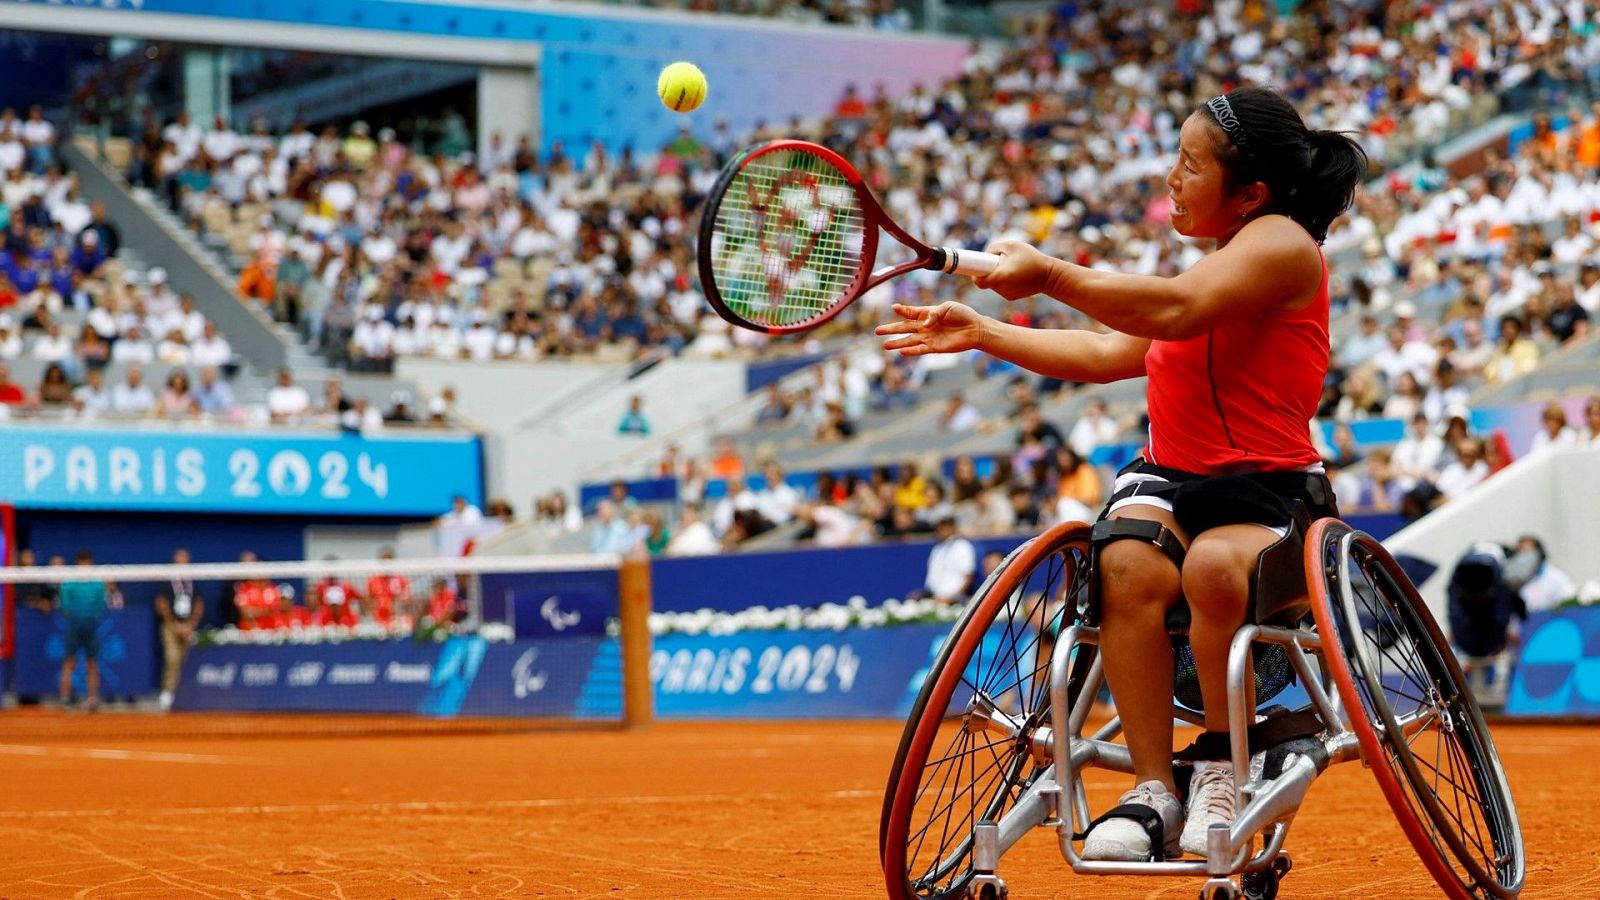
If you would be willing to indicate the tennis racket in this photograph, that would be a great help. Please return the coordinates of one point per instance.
(789, 238)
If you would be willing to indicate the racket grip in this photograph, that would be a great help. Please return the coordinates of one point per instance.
(970, 263)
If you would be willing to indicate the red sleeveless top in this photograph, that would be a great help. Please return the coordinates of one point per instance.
(1240, 398)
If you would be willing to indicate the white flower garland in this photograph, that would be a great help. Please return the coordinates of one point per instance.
(855, 613)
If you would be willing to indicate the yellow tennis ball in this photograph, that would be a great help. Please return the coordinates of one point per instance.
(682, 87)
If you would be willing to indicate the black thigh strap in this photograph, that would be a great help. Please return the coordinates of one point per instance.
(1107, 531)
(1148, 819)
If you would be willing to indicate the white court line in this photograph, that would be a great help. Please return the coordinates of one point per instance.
(420, 805)
(93, 753)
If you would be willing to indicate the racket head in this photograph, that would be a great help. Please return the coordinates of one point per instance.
(788, 237)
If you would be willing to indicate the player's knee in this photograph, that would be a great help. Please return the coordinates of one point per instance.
(1216, 577)
(1135, 579)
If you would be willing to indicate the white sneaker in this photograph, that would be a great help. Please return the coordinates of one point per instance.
(1211, 801)
(1125, 840)
(166, 699)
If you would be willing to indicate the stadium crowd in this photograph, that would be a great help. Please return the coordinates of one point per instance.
(1063, 137)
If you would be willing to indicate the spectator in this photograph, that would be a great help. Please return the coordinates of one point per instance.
(633, 420)
(1591, 421)
(1445, 392)
(389, 595)
(610, 533)
(84, 604)
(462, 512)
(727, 461)
(1419, 455)
(54, 387)
(778, 501)
(213, 397)
(836, 426)
(1036, 429)
(133, 348)
(11, 393)
(176, 400)
(1514, 355)
(1360, 348)
(774, 409)
(1566, 320)
(1555, 432)
(10, 338)
(211, 349)
(1381, 490)
(959, 416)
(179, 610)
(694, 537)
(1406, 400)
(1465, 471)
(738, 512)
(951, 564)
(287, 402)
(361, 418)
(133, 397)
(1345, 451)
(831, 526)
(1540, 584)
(1095, 429)
(1079, 490)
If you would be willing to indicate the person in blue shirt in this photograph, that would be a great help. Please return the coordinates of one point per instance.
(83, 604)
(634, 421)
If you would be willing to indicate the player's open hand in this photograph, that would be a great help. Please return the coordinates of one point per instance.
(949, 327)
(1023, 271)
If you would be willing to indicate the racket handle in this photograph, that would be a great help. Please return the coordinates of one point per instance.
(970, 263)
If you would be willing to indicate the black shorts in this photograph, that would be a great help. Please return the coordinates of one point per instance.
(1270, 499)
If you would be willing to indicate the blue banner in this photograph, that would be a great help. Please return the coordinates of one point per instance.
(855, 673)
(1558, 672)
(462, 676)
(237, 472)
(806, 577)
(128, 663)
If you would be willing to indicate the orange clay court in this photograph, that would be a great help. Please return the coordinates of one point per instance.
(101, 807)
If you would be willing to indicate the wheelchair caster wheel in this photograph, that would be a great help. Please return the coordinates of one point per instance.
(1220, 889)
(990, 892)
(1264, 885)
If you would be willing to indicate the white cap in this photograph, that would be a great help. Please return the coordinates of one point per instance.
(158, 275)
(1405, 309)
(130, 277)
(1457, 411)
(5, 322)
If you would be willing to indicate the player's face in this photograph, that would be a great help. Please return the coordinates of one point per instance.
(1203, 206)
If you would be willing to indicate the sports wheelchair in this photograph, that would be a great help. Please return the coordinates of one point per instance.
(995, 741)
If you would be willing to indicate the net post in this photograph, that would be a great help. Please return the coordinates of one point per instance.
(633, 602)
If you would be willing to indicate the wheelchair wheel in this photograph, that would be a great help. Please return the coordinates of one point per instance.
(950, 774)
(1419, 726)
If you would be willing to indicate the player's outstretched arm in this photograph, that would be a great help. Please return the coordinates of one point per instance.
(1271, 262)
(1069, 355)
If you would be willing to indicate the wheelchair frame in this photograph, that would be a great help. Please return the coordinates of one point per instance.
(1234, 868)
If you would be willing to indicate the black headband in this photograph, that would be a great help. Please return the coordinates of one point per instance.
(1222, 111)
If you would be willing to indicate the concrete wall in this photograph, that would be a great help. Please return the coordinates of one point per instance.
(551, 424)
(1553, 496)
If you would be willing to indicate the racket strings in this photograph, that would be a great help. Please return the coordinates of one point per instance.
(787, 240)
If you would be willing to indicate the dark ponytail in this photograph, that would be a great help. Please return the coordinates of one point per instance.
(1311, 175)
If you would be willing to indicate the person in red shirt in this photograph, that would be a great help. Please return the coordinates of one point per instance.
(1236, 359)
(444, 604)
(258, 603)
(11, 394)
(337, 602)
(389, 596)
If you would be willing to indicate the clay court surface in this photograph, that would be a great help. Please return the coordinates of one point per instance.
(139, 806)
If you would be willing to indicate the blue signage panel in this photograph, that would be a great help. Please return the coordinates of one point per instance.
(461, 676)
(855, 673)
(247, 471)
(1558, 672)
(128, 661)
